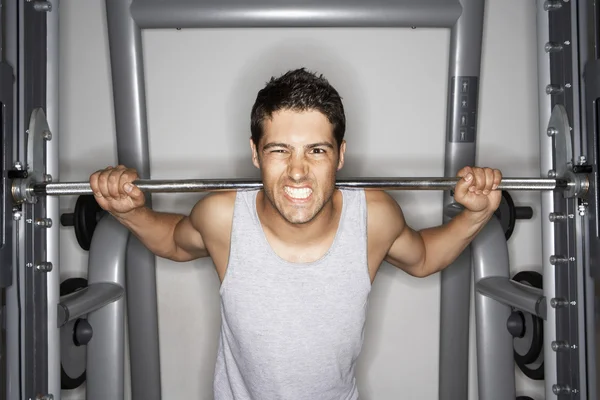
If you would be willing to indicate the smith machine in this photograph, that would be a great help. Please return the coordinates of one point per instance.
(57, 335)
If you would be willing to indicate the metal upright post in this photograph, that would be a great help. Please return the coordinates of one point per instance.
(52, 205)
(495, 361)
(105, 352)
(125, 43)
(462, 118)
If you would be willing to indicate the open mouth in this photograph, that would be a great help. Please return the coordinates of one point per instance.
(298, 193)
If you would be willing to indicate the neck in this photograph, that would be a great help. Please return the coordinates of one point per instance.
(312, 231)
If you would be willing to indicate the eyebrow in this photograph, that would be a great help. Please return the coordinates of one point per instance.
(289, 147)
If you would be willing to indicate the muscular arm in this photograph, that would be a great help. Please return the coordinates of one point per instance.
(419, 253)
(182, 238)
(170, 236)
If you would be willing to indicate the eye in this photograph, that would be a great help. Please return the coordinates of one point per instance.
(318, 150)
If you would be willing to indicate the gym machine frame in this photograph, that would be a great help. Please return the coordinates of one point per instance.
(34, 311)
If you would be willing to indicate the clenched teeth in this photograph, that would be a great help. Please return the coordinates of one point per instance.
(298, 193)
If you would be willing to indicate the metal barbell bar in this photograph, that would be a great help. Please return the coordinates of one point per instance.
(24, 190)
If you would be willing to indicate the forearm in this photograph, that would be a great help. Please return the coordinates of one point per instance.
(154, 229)
(443, 244)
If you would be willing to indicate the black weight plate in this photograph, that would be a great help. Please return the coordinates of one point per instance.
(529, 359)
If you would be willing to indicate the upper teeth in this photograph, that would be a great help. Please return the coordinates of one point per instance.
(301, 193)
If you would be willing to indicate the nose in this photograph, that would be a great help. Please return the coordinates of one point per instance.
(297, 167)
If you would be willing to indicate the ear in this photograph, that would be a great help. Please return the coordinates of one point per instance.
(341, 158)
(254, 154)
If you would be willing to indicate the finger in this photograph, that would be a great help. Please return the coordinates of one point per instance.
(136, 195)
(94, 184)
(462, 187)
(464, 171)
(497, 179)
(125, 182)
(103, 183)
(489, 181)
(113, 183)
(478, 181)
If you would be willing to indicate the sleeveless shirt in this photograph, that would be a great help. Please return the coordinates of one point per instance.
(292, 331)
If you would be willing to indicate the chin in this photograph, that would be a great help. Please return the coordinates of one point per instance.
(298, 220)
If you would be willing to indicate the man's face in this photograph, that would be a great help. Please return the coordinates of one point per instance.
(298, 159)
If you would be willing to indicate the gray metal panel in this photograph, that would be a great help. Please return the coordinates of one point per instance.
(547, 198)
(294, 13)
(12, 317)
(35, 310)
(106, 351)
(52, 205)
(455, 295)
(571, 372)
(589, 27)
(7, 260)
(129, 96)
(6, 158)
(592, 91)
(495, 362)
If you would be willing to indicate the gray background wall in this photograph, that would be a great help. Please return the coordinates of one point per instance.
(200, 87)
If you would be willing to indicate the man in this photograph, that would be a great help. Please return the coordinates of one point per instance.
(297, 259)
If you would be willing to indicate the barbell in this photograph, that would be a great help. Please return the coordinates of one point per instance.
(33, 183)
(24, 190)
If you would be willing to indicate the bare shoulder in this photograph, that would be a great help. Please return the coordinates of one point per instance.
(214, 212)
(385, 216)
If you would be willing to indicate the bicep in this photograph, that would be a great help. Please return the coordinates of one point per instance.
(189, 241)
(407, 252)
(392, 239)
(207, 231)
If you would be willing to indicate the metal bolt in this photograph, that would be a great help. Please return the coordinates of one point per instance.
(554, 89)
(582, 209)
(582, 160)
(555, 217)
(558, 260)
(568, 85)
(44, 266)
(47, 135)
(552, 131)
(561, 389)
(29, 265)
(552, 174)
(44, 222)
(558, 303)
(558, 345)
(552, 47)
(551, 5)
(47, 178)
(42, 6)
(18, 166)
(17, 215)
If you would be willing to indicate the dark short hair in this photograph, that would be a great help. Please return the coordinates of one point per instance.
(298, 90)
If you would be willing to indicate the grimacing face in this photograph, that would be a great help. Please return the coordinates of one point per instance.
(298, 158)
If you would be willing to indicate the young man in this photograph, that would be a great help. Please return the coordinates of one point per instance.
(296, 260)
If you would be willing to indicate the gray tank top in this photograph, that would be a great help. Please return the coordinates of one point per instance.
(292, 331)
